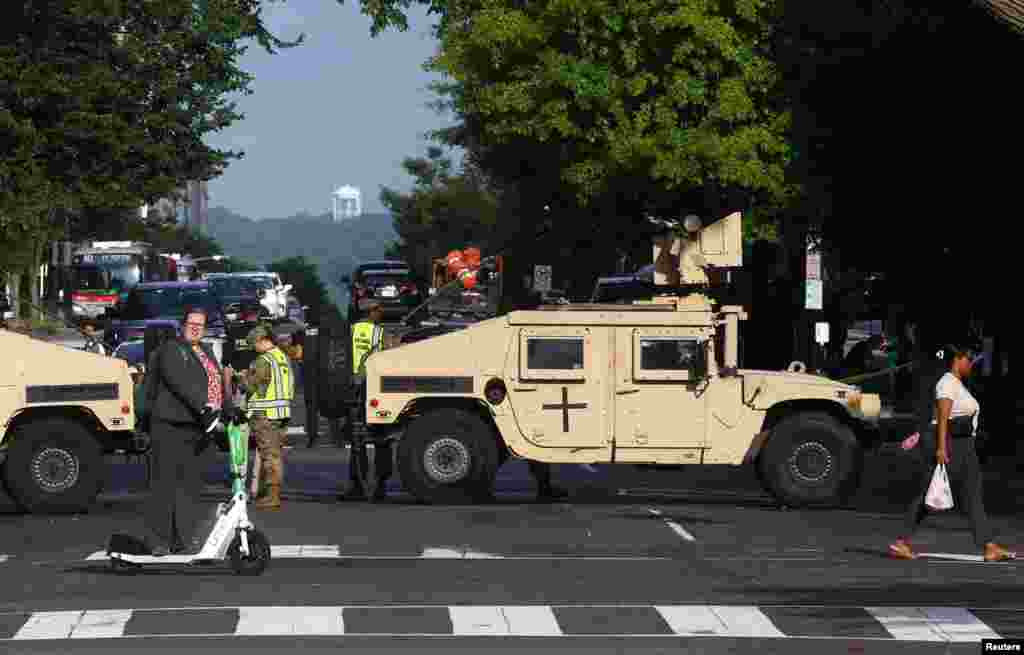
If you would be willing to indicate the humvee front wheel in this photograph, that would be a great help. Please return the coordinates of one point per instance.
(448, 457)
(811, 460)
(54, 465)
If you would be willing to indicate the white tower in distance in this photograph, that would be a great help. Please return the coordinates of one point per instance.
(347, 203)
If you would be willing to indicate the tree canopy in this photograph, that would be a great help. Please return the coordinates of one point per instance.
(107, 104)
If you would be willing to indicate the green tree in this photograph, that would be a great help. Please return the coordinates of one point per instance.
(306, 283)
(108, 104)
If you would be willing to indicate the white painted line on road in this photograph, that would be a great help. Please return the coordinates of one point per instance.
(102, 624)
(267, 621)
(531, 621)
(428, 552)
(441, 553)
(954, 556)
(745, 621)
(692, 620)
(4, 558)
(958, 624)
(49, 625)
(906, 623)
(675, 527)
(477, 620)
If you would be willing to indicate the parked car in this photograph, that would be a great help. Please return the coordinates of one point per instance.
(389, 282)
(273, 293)
(162, 303)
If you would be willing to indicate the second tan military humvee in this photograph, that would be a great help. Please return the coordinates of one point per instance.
(653, 383)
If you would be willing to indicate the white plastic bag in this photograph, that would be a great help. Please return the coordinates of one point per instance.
(939, 496)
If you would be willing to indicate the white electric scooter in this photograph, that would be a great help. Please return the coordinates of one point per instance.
(233, 536)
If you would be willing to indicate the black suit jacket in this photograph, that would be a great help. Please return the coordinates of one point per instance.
(181, 383)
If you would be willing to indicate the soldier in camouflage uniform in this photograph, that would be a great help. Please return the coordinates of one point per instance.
(270, 388)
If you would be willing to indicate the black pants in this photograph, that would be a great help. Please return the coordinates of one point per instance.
(382, 461)
(382, 467)
(174, 510)
(964, 478)
(541, 472)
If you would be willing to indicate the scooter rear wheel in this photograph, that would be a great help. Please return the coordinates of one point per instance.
(259, 554)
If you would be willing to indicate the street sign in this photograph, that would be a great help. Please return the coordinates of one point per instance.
(813, 266)
(542, 278)
(814, 295)
(821, 333)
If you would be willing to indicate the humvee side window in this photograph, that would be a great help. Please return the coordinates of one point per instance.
(554, 353)
(667, 354)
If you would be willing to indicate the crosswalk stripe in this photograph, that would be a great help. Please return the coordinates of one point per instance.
(746, 621)
(692, 620)
(270, 621)
(49, 625)
(958, 624)
(101, 624)
(906, 623)
(531, 621)
(477, 620)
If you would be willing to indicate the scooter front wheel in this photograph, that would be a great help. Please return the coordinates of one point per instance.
(259, 553)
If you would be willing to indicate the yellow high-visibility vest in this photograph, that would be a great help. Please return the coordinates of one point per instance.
(276, 403)
(366, 338)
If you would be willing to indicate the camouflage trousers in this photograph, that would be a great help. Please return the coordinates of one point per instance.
(270, 439)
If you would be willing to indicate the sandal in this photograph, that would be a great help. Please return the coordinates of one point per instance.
(996, 553)
(902, 550)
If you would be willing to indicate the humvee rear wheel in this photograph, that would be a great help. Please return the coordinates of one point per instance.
(54, 465)
(448, 457)
(811, 460)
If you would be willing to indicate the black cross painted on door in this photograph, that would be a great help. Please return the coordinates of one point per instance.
(565, 407)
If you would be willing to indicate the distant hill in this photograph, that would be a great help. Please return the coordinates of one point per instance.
(336, 248)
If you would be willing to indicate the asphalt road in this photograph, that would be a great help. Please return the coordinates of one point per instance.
(637, 561)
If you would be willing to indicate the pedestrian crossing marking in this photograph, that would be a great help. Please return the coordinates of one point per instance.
(331, 551)
(958, 624)
(277, 621)
(918, 624)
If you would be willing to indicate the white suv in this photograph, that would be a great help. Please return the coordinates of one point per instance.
(274, 293)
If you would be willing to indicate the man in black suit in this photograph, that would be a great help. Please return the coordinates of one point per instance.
(186, 385)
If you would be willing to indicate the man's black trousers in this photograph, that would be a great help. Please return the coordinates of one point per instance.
(174, 510)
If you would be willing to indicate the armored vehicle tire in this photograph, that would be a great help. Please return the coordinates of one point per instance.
(54, 465)
(811, 460)
(448, 457)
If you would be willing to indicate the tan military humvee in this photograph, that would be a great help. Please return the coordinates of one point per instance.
(641, 383)
(60, 410)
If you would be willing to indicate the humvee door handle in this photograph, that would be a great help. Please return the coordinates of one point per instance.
(625, 391)
(524, 388)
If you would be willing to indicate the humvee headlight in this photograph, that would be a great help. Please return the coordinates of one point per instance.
(495, 391)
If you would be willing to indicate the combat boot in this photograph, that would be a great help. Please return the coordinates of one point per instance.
(272, 501)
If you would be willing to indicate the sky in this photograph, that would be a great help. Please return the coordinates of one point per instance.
(342, 108)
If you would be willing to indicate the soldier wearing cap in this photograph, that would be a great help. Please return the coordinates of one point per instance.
(270, 389)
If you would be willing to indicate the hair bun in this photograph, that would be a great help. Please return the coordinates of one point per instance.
(941, 354)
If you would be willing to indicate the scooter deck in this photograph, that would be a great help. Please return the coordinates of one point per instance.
(129, 549)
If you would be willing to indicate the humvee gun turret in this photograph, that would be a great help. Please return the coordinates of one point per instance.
(61, 410)
(650, 383)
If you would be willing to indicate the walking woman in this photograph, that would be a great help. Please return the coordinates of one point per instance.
(189, 398)
(950, 440)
